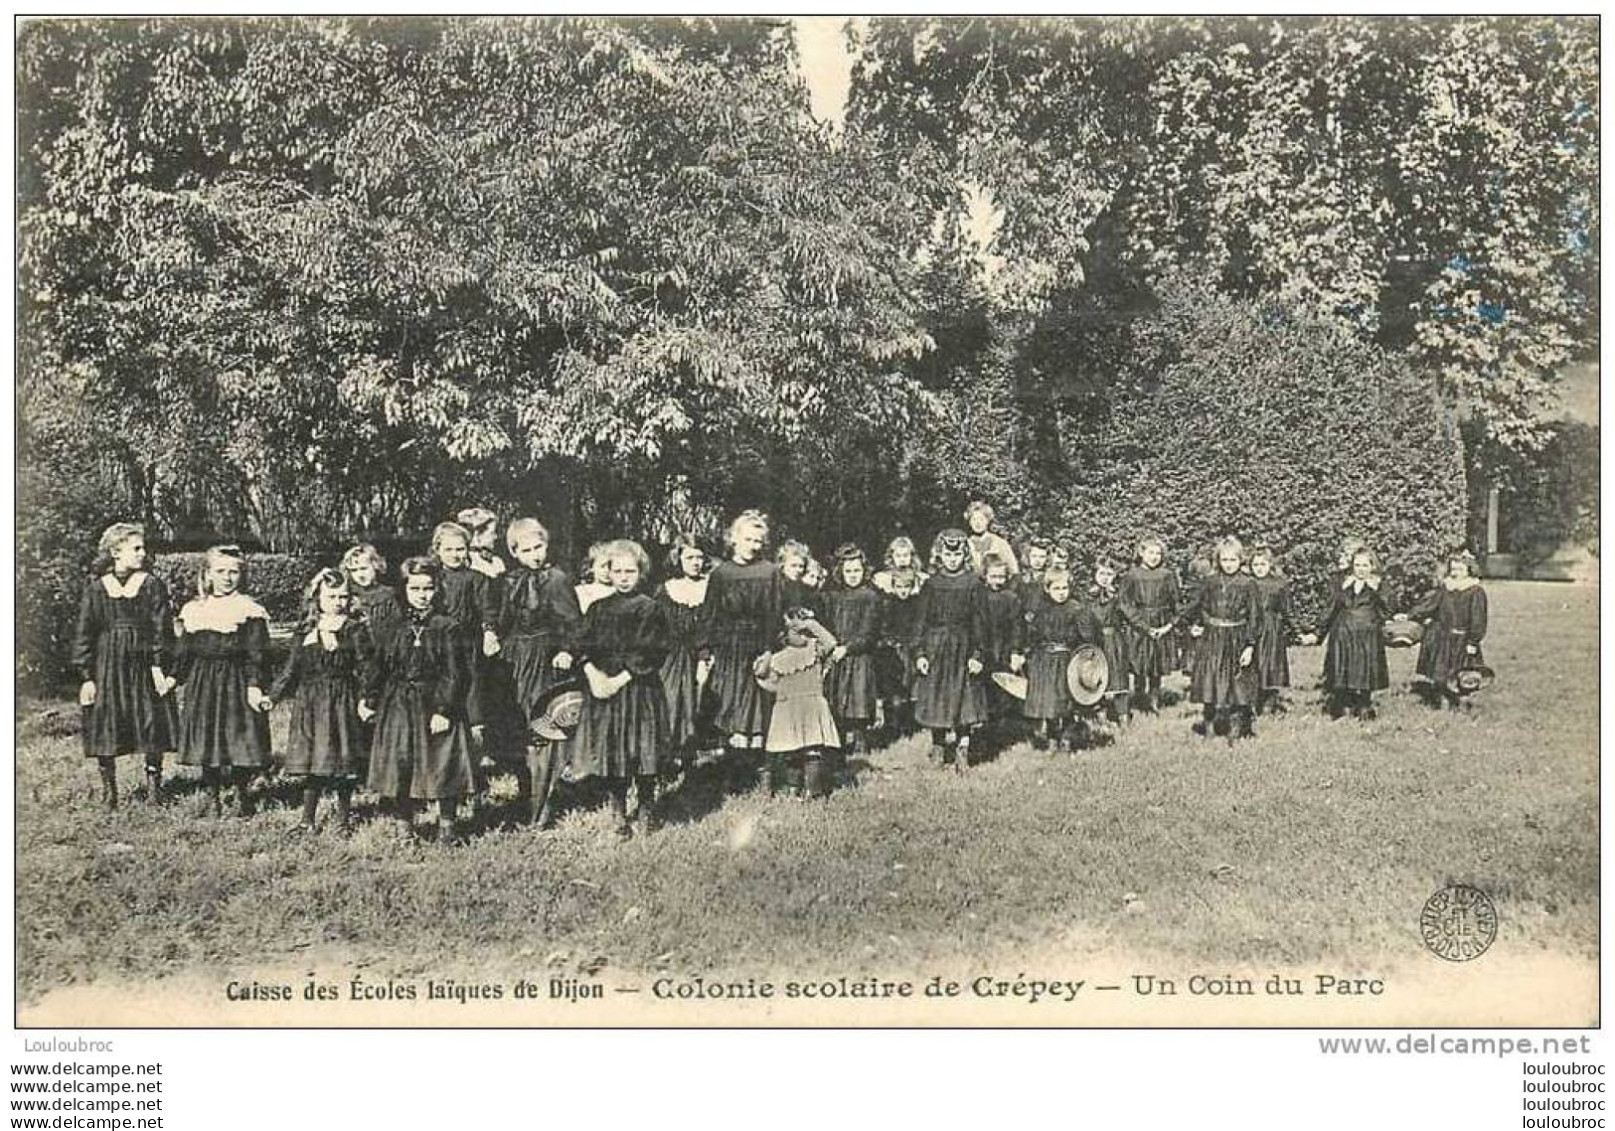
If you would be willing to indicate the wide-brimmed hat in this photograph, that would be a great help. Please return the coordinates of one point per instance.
(558, 710)
(1087, 675)
(1471, 678)
(1403, 633)
(1011, 683)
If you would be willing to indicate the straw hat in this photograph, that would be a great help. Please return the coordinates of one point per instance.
(558, 710)
(1087, 675)
(1403, 633)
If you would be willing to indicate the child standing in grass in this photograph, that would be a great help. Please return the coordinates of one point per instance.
(853, 615)
(223, 639)
(326, 743)
(1054, 631)
(1113, 639)
(1354, 647)
(121, 650)
(801, 729)
(416, 688)
(1454, 615)
(683, 597)
(948, 632)
(899, 584)
(372, 600)
(1224, 609)
(1148, 599)
(622, 734)
(1004, 624)
(745, 595)
(1272, 632)
(537, 623)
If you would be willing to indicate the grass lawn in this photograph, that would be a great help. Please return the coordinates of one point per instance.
(1312, 844)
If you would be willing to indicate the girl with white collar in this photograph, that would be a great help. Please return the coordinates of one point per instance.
(1454, 616)
(1354, 664)
(123, 642)
(326, 743)
(223, 638)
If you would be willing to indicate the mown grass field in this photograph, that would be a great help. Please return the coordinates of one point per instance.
(1314, 840)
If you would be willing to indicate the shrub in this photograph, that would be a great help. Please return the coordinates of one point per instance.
(1277, 428)
(275, 580)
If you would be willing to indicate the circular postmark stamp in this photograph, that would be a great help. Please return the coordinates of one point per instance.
(1458, 923)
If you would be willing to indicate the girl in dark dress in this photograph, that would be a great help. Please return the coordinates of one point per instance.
(1273, 631)
(683, 597)
(1454, 616)
(1223, 611)
(949, 628)
(121, 650)
(326, 744)
(1054, 630)
(622, 736)
(1113, 638)
(372, 599)
(1029, 585)
(853, 609)
(1004, 621)
(899, 584)
(470, 597)
(1354, 649)
(1148, 600)
(745, 599)
(416, 687)
(536, 624)
(223, 639)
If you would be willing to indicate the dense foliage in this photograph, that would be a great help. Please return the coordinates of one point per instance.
(296, 282)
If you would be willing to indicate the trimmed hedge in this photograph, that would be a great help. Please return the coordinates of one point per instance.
(1275, 428)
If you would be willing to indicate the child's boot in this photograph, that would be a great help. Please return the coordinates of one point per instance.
(311, 805)
(109, 783)
(961, 755)
(815, 781)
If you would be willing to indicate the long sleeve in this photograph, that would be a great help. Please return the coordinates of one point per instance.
(562, 599)
(453, 654)
(161, 610)
(88, 632)
(922, 621)
(1193, 610)
(255, 643)
(1253, 612)
(1333, 613)
(978, 622)
(290, 676)
(1477, 616)
(649, 652)
(1425, 609)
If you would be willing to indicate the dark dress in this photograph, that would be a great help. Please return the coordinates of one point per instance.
(471, 599)
(1226, 606)
(1272, 631)
(374, 604)
(746, 606)
(537, 617)
(627, 734)
(894, 659)
(420, 667)
(1149, 598)
(688, 626)
(1053, 631)
(1114, 637)
(222, 645)
(1029, 587)
(1004, 621)
(949, 630)
(119, 640)
(326, 738)
(853, 617)
(1354, 653)
(1456, 618)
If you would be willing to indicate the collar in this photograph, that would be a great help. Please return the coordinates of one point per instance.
(220, 614)
(1458, 585)
(125, 589)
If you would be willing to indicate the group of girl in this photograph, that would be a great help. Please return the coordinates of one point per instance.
(778, 665)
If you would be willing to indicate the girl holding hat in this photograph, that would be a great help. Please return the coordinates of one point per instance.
(1004, 622)
(536, 621)
(1224, 608)
(949, 629)
(899, 584)
(122, 646)
(1354, 658)
(1054, 630)
(1113, 636)
(1454, 615)
(1272, 633)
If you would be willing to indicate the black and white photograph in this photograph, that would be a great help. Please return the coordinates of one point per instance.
(807, 521)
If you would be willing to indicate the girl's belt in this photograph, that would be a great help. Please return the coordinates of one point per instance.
(1219, 622)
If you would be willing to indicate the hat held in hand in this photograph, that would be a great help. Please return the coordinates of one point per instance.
(1087, 675)
(1470, 678)
(1012, 684)
(557, 711)
(1403, 633)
